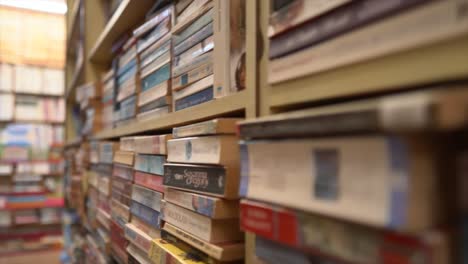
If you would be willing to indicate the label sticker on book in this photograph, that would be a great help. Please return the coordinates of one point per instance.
(326, 174)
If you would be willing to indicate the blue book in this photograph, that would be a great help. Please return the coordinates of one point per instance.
(23, 199)
(195, 99)
(150, 163)
(126, 76)
(160, 75)
(146, 214)
(128, 66)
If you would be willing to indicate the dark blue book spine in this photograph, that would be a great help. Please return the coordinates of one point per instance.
(160, 75)
(146, 214)
(340, 20)
(195, 99)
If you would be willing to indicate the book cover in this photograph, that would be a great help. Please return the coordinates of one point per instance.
(156, 50)
(192, 76)
(153, 164)
(150, 181)
(197, 98)
(152, 144)
(211, 127)
(193, 24)
(193, 64)
(325, 176)
(206, 179)
(212, 207)
(156, 63)
(198, 36)
(124, 157)
(165, 252)
(122, 171)
(195, 87)
(223, 251)
(222, 150)
(146, 214)
(210, 230)
(156, 77)
(155, 93)
(187, 56)
(147, 197)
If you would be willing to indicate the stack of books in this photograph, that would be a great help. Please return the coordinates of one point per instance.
(201, 207)
(360, 173)
(155, 58)
(107, 100)
(31, 108)
(126, 83)
(121, 190)
(147, 195)
(88, 97)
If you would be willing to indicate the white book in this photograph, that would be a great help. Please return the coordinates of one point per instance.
(6, 104)
(53, 81)
(6, 77)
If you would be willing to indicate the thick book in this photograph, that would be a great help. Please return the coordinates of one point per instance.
(124, 157)
(197, 98)
(195, 87)
(155, 93)
(398, 189)
(146, 214)
(212, 207)
(421, 26)
(203, 227)
(127, 143)
(298, 12)
(198, 36)
(339, 20)
(147, 197)
(192, 76)
(229, 49)
(223, 251)
(206, 179)
(153, 164)
(219, 150)
(164, 252)
(431, 109)
(211, 127)
(137, 237)
(150, 181)
(308, 233)
(147, 229)
(122, 171)
(152, 144)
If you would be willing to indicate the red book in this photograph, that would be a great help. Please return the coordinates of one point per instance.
(151, 181)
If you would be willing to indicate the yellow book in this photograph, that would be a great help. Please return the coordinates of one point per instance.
(164, 252)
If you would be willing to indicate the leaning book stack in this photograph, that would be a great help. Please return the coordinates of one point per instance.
(201, 207)
(154, 44)
(208, 48)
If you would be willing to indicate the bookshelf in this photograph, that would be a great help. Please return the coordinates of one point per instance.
(395, 72)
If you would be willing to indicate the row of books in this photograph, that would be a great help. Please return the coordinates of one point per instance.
(27, 238)
(175, 60)
(30, 216)
(307, 37)
(25, 108)
(31, 79)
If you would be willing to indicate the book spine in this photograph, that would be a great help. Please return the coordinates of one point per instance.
(125, 76)
(151, 181)
(139, 31)
(196, 62)
(158, 103)
(190, 54)
(190, 10)
(200, 97)
(194, 27)
(192, 76)
(156, 56)
(126, 91)
(145, 228)
(193, 88)
(126, 64)
(121, 198)
(204, 205)
(185, 247)
(203, 128)
(150, 164)
(103, 218)
(156, 64)
(154, 93)
(139, 255)
(299, 11)
(120, 255)
(120, 210)
(210, 249)
(160, 75)
(339, 20)
(363, 121)
(146, 214)
(127, 144)
(118, 236)
(197, 37)
(124, 157)
(408, 30)
(137, 238)
(147, 197)
(158, 32)
(128, 108)
(123, 172)
(152, 144)
(123, 186)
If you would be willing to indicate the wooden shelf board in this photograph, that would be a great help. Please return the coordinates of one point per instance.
(73, 22)
(434, 63)
(229, 104)
(127, 15)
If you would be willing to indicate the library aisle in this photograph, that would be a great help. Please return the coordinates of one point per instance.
(234, 131)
